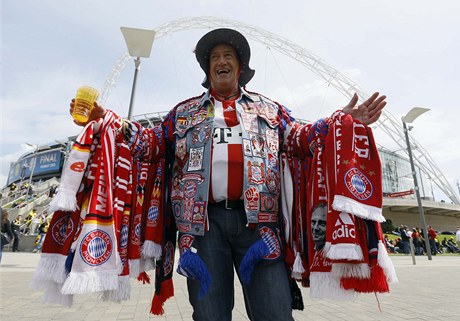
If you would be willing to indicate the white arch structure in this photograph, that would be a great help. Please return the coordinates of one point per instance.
(387, 122)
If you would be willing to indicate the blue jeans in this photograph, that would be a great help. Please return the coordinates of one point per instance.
(222, 248)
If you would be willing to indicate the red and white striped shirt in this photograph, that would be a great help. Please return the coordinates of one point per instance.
(227, 156)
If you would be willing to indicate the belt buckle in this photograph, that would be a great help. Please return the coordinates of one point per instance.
(226, 205)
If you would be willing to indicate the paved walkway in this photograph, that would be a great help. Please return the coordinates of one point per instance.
(429, 290)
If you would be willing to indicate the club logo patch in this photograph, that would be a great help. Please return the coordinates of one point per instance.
(269, 238)
(61, 229)
(358, 184)
(96, 247)
(168, 259)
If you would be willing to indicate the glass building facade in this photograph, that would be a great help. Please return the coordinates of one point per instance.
(397, 175)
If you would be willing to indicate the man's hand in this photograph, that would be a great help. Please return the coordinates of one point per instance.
(97, 112)
(369, 111)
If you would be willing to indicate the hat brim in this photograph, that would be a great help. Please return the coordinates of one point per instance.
(232, 38)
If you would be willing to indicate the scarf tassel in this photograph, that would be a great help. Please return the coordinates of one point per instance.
(53, 295)
(191, 265)
(144, 278)
(167, 291)
(255, 253)
(297, 269)
(376, 283)
(385, 262)
(64, 200)
(121, 294)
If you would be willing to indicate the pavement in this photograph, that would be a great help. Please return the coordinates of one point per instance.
(428, 290)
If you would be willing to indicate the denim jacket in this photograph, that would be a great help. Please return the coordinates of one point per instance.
(188, 130)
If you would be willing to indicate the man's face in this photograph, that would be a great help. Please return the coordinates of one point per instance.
(224, 68)
(318, 226)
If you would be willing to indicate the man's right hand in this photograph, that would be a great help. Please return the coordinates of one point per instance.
(97, 112)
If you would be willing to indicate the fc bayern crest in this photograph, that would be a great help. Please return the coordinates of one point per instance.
(269, 238)
(62, 229)
(96, 247)
(358, 184)
(168, 259)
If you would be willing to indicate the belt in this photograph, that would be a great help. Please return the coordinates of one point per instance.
(229, 204)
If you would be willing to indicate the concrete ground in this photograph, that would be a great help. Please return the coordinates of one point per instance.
(429, 290)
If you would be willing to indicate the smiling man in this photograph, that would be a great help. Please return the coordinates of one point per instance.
(226, 173)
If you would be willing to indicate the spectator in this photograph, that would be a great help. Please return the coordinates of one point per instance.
(457, 237)
(432, 238)
(42, 229)
(452, 246)
(399, 247)
(15, 227)
(389, 244)
(6, 228)
(416, 239)
(28, 222)
(404, 239)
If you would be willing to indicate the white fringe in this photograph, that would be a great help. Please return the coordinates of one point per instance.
(344, 251)
(342, 203)
(123, 292)
(297, 268)
(386, 264)
(51, 267)
(53, 295)
(134, 268)
(146, 264)
(360, 270)
(64, 200)
(323, 285)
(90, 282)
(151, 249)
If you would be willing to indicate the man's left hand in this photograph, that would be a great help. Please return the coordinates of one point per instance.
(369, 111)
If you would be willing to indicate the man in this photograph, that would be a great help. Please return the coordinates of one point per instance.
(432, 239)
(404, 239)
(318, 226)
(230, 139)
(15, 227)
(457, 237)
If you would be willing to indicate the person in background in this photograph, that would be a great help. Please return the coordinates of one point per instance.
(457, 236)
(15, 227)
(432, 239)
(6, 228)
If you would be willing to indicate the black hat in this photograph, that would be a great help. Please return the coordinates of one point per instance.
(232, 38)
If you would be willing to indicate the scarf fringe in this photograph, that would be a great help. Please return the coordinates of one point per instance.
(345, 204)
(297, 268)
(151, 250)
(90, 282)
(323, 285)
(387, 265)
(167, 291)
(64, 200)
(195, 268)
(123, 292)
(53, 295)
(359, 271)
(343, 251)
(147, 264)
(134, 268)
(49, 268)
(255, 253)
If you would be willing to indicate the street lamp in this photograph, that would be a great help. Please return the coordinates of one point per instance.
(409, 118)
(139, 43)
(32, 166)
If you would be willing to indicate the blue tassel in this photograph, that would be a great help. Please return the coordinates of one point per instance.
(69, 261)
(191, 265)
(255, 253)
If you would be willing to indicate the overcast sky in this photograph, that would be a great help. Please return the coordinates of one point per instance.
(407, 50)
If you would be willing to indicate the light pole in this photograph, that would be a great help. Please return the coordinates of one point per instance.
(32, 166)
(139, 43)
(409, 118)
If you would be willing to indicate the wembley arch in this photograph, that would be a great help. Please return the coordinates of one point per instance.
(388, 123)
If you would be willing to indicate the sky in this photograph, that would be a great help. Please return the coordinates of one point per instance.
(407, 50)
